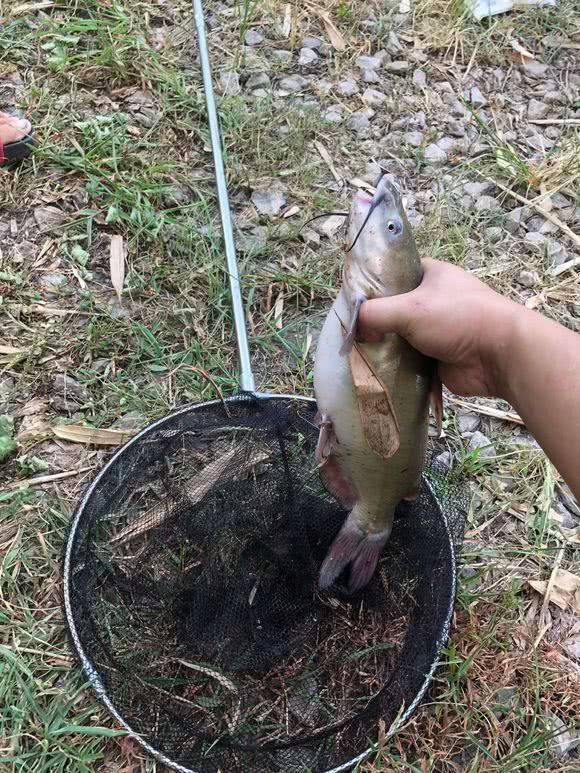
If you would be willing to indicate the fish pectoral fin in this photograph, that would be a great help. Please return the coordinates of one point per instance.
(336, 483)
(376, 409)
(349, 339)
(326, 438)
(436, 399)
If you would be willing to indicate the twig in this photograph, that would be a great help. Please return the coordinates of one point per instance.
(41, 479)
(544, 627)
(555, 121)
(563, 267)
(488, 410)
(548, 215)
(325, 155)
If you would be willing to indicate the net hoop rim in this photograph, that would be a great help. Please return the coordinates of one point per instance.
(92, 673)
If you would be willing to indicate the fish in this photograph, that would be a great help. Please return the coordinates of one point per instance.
(372, 398)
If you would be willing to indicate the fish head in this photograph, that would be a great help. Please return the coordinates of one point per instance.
(381, 258)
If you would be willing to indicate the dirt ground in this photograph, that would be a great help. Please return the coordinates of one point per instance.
(480, 121)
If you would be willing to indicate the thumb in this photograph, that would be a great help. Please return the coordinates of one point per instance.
(385, 315)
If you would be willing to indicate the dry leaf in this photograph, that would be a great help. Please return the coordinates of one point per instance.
(76, 433)
(337, 41)
(565, 591)
(5, 349)
(520, 54)
(32, 407)
(117, 261)
(278, 308)
(287, 23)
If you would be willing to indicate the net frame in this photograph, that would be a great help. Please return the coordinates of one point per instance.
(91, 670)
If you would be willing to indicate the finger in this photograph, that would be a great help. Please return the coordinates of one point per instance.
(385, 315)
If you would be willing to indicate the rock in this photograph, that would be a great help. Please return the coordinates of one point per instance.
(466, 422)
(67, 394)
(310, 237)
(370, 76)
(455, 127)
(477, 189)
(541, 225)
(268, 202)
(49, 217)
(230, 83)
(347, 88)
(329, 226)
(282, 56)
(447, 143)
(534, 69)
(563, 739)
(442, 462)
(369, 62)
(133, 420)
(528, 278)
(555, 252)
(309, 42)
(359, 122)
(374, 98)
(253, 37)
(24, 251)
(419, 79)
(537, 109)
(332, 115)
(513, 220)
(434, 155)
(259, 80)
(308, 57)
(394, 45)
(479, 440)
(535, 242)
(414, 139)
(399, 67)
(503, 701)
(293, 83)
(486, 203)
(493, 234)
(476, 97)
(572, 645)
(51, 280)
(254, 241)
(553, 97)
(178, 194)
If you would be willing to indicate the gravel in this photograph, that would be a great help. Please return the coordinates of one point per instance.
(467, 422)
(293, 83)
(310, 42)
(528, 278)
(486, 203)
(435, 155)
(347, 88)
(253, 37)
(359, 122)
(308, 57)
(419, 79)
(374, 98)
(481, 441)
(414, 139)
(400, 67)
(537, 110)
(259, 80)
(268, 202)
(535, 69)
(535, 242)
(230, 83)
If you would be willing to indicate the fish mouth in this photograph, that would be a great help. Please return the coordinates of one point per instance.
(363, 197)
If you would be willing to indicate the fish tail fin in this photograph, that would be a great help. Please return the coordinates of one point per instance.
(357, 549)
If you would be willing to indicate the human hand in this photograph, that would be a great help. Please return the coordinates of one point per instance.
(454, 318)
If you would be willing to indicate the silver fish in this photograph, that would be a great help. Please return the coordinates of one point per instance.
(381, 261)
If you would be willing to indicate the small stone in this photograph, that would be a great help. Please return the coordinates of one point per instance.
(374, 98)
(359, 122)
(309, 42)
(67, 394)
(455, 127)
(513, 220)
(553, 97)
(399, 67)
(476, 97)
(310, 237)
(535, 242)
(486, 203)
(347, 88)
(493, 234)
(503, 701)
(434, 155)
(414, 139)
(24, 251)
(230, 83)
(282, 56)
(559, 201)
(332, 115)
(293, 83)
(537, 109)
(51, 280)
(479, 440)
(393, 46)
(329, 226)
(535, 69)
(555, 252)
(253, 242)
(563, 739)
(466, 422)
(419, 79)
(477, 189)
(268, 202)
(49, 217)
(447, 143)
(253, 37)
(259, 80)
(308, 57)
(370, 76)
(442, 462)
(369, 62)
(528, 278)
(572, 646)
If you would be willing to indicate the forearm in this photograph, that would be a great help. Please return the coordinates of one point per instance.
(539, 374)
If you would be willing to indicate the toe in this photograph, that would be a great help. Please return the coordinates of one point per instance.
(12, 128)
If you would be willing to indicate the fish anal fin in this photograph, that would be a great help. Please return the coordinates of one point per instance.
(377, 413)
(336, 483)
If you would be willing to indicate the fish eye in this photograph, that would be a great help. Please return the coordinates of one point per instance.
(394, 227)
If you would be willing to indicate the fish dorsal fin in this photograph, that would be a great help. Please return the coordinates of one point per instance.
(376, 409)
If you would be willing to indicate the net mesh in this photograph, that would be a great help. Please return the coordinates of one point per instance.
(192, 581)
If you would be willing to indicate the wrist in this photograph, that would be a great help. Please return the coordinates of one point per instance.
(500, 350)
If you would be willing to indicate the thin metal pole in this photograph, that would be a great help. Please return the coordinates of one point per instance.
(246, 376)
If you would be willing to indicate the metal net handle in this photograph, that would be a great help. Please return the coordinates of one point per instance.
(247, 382)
